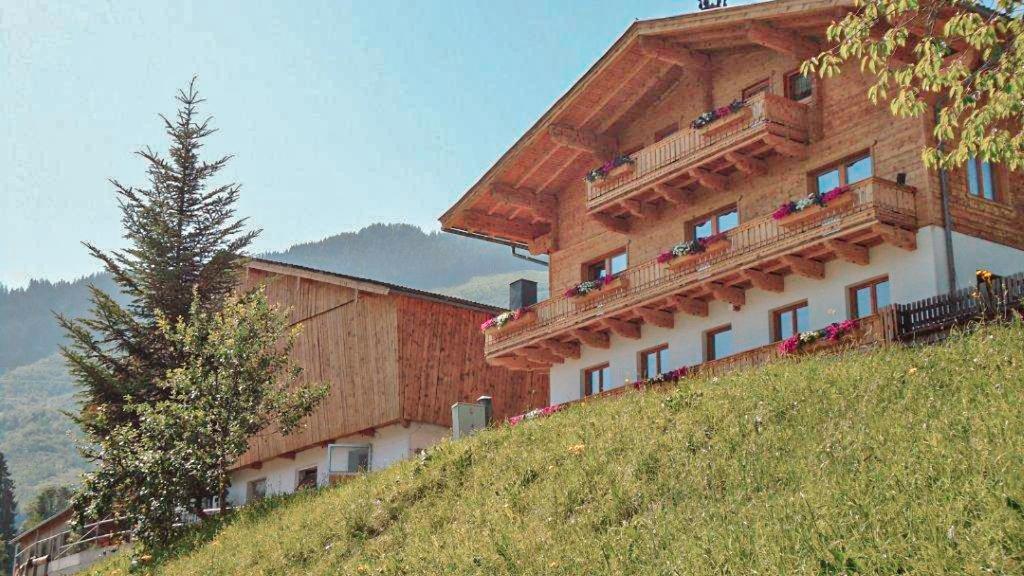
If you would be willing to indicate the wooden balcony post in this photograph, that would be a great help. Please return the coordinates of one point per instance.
(564, 349)
(691, 306)
(850, 252)
(727, 294)
(657, 317)
(747, 164)
(765, 280)
(593, 338)
(804, 266)
(622, 328)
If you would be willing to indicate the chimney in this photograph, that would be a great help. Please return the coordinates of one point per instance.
(521, 294)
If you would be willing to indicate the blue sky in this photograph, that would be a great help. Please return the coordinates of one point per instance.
(338, 114)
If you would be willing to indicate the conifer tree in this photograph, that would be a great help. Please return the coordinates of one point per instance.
(8, 513)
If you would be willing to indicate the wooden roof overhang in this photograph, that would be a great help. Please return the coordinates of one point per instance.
(516, 199)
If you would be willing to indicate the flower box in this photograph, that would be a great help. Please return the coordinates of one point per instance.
(813, 212)
(617, 284)
(728, 123)
(819, 345)
(526, 319)
(716, 247)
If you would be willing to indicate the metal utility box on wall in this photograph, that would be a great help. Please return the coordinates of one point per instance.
(467, 418)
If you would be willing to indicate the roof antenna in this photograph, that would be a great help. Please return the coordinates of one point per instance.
(711, 4)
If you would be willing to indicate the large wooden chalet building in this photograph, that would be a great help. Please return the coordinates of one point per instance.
(623, 168)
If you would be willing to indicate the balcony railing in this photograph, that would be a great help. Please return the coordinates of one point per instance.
(753, 243)
(691, 148)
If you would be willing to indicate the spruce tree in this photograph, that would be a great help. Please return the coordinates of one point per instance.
(185, 248)
(8, 513)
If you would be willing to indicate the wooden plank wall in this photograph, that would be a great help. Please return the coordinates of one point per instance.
(349, 341)
(442, 362)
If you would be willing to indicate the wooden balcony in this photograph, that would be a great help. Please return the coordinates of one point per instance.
(761, 253)
(768, 124)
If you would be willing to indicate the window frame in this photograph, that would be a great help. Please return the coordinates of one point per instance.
(710, 353)
(641, 361)
(585, 378)
(606, 261)
(851, 295)
(997, 183)
(841, 165)
(713, 217)
(316, 477)
(761, 85)
(250, 493)
(789, 90)
(776, 319)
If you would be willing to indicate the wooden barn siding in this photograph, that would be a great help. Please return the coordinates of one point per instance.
(353, 348)
(851, 124)
(442, 362)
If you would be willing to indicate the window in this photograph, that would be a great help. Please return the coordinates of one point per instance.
(256, 490)
(596, 379)
(867, 298)
(719, 343)
(756, 88)
(981, 180)
(724, 219)
(348, 458)
(790, 320)
(306, 478)
(616, 263)
(798, 86)
(847, 172)
(652, 362)
(666, 132)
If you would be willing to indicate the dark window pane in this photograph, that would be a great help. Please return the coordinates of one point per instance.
(828, 180)
(803, 319)
(722, 344)
(595, 271)
(987, 183)
(858, 170)
(728, 220)
(972, 176)
(619, 263)
(882, 294)
(863, 299)
(799, 86)
(702, 230)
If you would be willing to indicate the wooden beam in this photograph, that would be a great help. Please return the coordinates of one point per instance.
(765, 280)
(727, 294)
(540, 355)
(896, 236)
(599, 145)
(747, 164)
(543, 244)
(641, 209)
(593, 338)
(613, 223)
(256, 465)
(661, 49)
(804, 266)
(691, 306)
(515, 363)
(670, 194)
(786, 147)
(518, 229)
(625, 329)
(542, 206)
(563, 349)
(289, 455)
(710, 179)
(853, 253)
(658, 318)
(780, 41)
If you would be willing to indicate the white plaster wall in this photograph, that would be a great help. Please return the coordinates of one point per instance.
(971, 253)
(389, 445)
(912, 275)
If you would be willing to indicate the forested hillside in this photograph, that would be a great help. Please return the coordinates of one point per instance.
(35, 387)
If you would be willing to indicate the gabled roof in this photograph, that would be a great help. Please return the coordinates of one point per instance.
(615, 90)
(362, 284)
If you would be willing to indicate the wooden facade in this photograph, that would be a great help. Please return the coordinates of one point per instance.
(639, 100)
(391, 355)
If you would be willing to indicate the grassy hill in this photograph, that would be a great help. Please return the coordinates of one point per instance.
(33, 431)
(894, 461)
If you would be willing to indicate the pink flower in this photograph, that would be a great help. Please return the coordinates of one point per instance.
(607, 279)
(723, 111)
(789, 345)
(516, 419)
(783, 211)
(665, 257)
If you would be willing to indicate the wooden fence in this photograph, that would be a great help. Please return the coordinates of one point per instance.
(933, 317)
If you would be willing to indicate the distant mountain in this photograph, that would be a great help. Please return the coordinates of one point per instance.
(33, 430)
(404, 254)
(35, 386)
